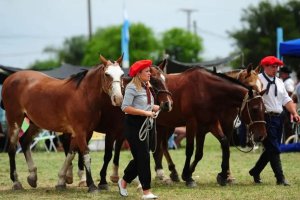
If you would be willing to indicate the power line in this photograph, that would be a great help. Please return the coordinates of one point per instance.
(188, 11)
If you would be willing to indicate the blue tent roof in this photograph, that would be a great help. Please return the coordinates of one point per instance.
(290, 48)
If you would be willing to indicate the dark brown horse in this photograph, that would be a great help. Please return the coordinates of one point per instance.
(74, 105)
(112, 124)
(201, 100)
(246, 76)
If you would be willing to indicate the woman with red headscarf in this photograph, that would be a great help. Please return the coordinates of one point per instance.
(274, 98)
(138, 104)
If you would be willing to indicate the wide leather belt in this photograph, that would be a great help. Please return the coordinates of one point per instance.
(273, 114)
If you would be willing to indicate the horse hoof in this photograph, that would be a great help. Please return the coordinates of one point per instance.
(32, 181)
(103, 187)
(93, 189)
(230, 179)
(69, 179)
(114, 179)
(221, 181)
(174, 177)
(82, 184)
(17, 186)
(61, 187)
(191, 184)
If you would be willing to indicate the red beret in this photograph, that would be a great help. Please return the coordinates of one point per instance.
(138, 66)
(271, 60)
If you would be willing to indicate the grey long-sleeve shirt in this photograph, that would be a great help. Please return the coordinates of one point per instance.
(136, 98)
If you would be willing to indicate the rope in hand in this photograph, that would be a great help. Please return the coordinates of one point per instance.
(146, 127)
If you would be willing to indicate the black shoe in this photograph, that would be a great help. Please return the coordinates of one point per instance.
(283, 182)
(256, 178)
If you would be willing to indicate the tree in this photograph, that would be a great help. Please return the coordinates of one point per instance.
(107, 41)
(182, 45)
(257, 38)
(72, 52)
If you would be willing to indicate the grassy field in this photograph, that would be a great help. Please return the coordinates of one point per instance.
(48, 165)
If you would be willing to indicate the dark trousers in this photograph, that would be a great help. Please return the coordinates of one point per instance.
(140, 164)
(271, 151)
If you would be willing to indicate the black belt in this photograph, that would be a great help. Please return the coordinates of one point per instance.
(273, 114)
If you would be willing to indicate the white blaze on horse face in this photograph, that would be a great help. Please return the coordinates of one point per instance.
(163, 77)
(116, 73)
(259, 85)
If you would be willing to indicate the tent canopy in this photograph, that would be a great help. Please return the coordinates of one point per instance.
(290, 48)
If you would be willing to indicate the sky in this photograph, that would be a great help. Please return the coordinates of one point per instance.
(28, 26)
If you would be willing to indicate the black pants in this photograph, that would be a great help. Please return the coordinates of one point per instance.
(271, 151)
(140, 165)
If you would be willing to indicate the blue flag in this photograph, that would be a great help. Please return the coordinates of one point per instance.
(125, 41)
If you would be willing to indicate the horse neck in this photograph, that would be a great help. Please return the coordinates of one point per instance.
(93, 83)
(234, 74)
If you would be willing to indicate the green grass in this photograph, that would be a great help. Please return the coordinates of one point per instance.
(48, 165)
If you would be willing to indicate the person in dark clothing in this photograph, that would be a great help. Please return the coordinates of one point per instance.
(274, 98)
(138, 104)
(289, 84)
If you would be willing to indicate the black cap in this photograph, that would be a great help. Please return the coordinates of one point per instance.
(285, 70)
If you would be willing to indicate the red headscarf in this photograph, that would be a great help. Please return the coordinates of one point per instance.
(271, 60)
(138, 66)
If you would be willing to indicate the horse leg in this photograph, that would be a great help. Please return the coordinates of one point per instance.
(13, 135)
(174, 174)
(25, 142)
(80, 173)
(115, 174)
(81, 141)
(218, 133)
(63, 171)
(109, 140)
(158, 154)
(200, 138)
(66, 139)
(190, 133)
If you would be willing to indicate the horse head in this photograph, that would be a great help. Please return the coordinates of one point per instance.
(158, 82)
(112, 80)
(250, 78)
(252, 112)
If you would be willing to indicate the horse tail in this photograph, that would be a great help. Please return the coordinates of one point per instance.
(2, 106)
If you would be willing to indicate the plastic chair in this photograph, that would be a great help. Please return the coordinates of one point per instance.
(44, 135)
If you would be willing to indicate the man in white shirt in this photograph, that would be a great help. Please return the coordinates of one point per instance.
(274, 98)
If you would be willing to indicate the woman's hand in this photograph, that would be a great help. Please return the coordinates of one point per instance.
(150, 114)
(155, 108)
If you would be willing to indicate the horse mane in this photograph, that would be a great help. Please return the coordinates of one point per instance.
(77, 78)
(230, 79)
(221, 75)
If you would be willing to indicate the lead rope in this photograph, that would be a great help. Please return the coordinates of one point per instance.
(146, 127)
(241, 150)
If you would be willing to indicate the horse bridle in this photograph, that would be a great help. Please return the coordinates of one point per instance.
(245, 104)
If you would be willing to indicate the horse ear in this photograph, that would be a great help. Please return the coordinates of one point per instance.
(120, 59)
(249, 68)
(103, 60)
(163, 64)
(262, 92)
(257, 69)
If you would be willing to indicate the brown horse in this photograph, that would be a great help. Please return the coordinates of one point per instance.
(201, 100)
(74, 105)
(246, 76)
(114, 131)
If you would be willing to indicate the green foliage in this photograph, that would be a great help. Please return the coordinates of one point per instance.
(182, 45)
(178, 43)
(257, 38)
(105, 41)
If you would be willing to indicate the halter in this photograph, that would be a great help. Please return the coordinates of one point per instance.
(245, 105)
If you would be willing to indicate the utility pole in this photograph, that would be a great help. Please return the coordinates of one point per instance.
(188, 11)
(89, 19)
